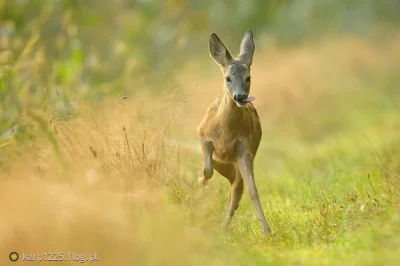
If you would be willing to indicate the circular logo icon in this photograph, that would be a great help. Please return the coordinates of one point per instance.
(13, 256)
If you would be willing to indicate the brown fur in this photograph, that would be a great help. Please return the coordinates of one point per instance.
(230, 132)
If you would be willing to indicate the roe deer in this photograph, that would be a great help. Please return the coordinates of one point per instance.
(230, 132)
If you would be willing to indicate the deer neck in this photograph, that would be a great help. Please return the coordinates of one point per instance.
(229, 112)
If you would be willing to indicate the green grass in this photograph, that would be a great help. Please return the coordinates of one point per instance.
(334, 202)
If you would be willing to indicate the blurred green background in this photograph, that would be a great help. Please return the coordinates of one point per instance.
(60, 52)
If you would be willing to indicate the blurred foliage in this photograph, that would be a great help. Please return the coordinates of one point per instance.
(55, 53)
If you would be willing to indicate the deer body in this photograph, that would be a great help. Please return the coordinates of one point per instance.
(224, 124)
(230, 131)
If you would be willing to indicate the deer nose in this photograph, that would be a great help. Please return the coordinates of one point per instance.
(240, 97)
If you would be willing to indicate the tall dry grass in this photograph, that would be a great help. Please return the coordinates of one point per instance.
(114, 188)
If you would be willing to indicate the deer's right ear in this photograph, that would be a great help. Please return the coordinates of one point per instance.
(218, 51)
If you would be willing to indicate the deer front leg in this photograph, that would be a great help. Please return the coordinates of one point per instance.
(245, 165)
(208, 149)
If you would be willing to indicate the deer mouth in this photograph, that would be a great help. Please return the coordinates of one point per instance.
(243, 103)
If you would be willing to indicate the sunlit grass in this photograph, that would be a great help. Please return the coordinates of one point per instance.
(119, 177)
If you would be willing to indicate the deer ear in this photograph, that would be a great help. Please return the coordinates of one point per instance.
(218, 51)
(247, 48)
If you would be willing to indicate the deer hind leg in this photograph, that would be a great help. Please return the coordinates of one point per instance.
(230, 172)
(245, 166)
(235, 195)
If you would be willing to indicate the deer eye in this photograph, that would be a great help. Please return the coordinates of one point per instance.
(248, 79)
(228, 79)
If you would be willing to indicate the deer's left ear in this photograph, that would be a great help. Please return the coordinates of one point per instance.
(218, 51)
(247, 48)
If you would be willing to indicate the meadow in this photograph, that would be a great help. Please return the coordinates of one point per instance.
(117, 175)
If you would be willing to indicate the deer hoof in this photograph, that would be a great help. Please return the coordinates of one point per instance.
(202, 181)
(266, 231)
(208, 172)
